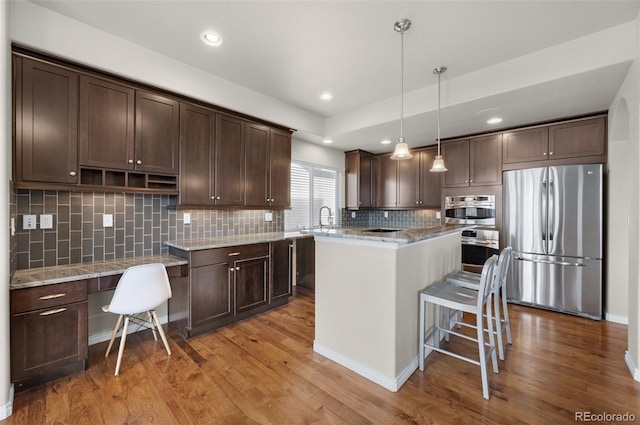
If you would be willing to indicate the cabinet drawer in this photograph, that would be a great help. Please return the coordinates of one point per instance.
(223, 255)
(48, 296)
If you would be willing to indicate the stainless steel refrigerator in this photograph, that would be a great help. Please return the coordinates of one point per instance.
(553, 220)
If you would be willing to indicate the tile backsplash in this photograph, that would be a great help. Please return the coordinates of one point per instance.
(395, 218)
(141, 225)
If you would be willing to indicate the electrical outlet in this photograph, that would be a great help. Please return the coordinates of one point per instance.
(353, 214)
(438, 215)
(386, 214)
(46, 221)
(28, 222)
(186, 218)
(13, 226)
(107, 220)
(268, 216)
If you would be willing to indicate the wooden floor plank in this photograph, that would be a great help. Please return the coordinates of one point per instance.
(264, 371)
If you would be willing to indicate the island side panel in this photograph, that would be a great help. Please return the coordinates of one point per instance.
(356, 306)
(419, 265)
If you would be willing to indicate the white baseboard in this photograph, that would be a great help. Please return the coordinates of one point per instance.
(632, 366)
(623, 320)
(7, 409)
(105, 335)
(391, 384)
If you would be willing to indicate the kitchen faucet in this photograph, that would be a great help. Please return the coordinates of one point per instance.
(330, 218)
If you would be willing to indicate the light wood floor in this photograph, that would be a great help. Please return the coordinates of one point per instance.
(264, 371)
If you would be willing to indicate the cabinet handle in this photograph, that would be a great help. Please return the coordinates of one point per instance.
(466, 181)
(544, 153)
(217, 198)
(139, 162)
(213, 198)
(130, 161)
(272, 199)
(72, 173)
(231, 269)
(233, 254)
(550, 153)
(52, 296)
(417, 202)
(237, 268)
(54, 311)
(470, 181)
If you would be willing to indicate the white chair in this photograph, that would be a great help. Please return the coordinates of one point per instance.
(472, 281)
(465, 300)
(140, 290)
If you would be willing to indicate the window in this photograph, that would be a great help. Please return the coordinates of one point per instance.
(312, 186)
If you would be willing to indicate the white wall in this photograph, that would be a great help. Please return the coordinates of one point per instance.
(6, 393)
(316, 154)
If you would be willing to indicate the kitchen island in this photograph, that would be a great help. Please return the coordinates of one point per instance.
(367, 285)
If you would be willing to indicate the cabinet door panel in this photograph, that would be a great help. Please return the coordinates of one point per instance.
(430, 183)
(306, 262)
(525, 145)
(257, 165)
(44, 340)
(456, 158)
(106, 124)
(408, 171)
(579, 138)
(211, 293)
(157, 134)
(280, 168)
(229, 161)
(366, 181)
(197, 132)
(251, 278)
(387, 182)
(281, 269)
(485, 161)
(352, 171)
(46, 123)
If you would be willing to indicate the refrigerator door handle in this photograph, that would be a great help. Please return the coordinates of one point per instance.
(551, 215)
(558, 263)
(543, 211)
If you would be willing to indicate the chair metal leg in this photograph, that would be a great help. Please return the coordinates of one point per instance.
(447, 324)
(507, 322)
(164, 338)
(436, 335)
(421, 334)
(483, 359)
(113, 335)
(496, 305)
(123, 339)
(492, 342)
(153, 327)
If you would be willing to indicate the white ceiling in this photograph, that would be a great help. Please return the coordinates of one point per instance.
(294, 50)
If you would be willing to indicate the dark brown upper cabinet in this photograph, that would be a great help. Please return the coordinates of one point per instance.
(386, 182)
(268, 166)
(228, 165)
(576, 141)
(408, 180)
(197, 144)
(46, 123)
(157, 134)
(359, 167)
(473, 162)
(429, 183)
(107, 124)
(126, 129)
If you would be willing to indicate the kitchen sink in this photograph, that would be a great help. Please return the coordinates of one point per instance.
(382, 230)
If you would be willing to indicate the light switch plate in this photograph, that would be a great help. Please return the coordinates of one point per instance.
(186, 218)
(29, 222)
(46, 221)
(107, 220)
(268, 216)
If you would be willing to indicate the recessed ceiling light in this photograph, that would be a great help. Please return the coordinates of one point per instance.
(327, 141)
(494, 120)
(326, 95)
(385, 141)
(211, 38)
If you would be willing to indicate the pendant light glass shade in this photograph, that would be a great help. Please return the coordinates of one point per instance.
(438, 162)
(402, 149)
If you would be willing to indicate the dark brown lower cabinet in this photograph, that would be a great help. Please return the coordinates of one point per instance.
(306, 263)
(228, 284)
(281, 268)
(48, 333)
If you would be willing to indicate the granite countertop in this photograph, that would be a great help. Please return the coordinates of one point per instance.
(29, 278)
(232, 240)
(398, 235)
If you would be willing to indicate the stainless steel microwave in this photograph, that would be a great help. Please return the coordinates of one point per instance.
(477, 209)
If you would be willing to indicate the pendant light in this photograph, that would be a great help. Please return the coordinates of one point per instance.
(402, 149)
(438, 162)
